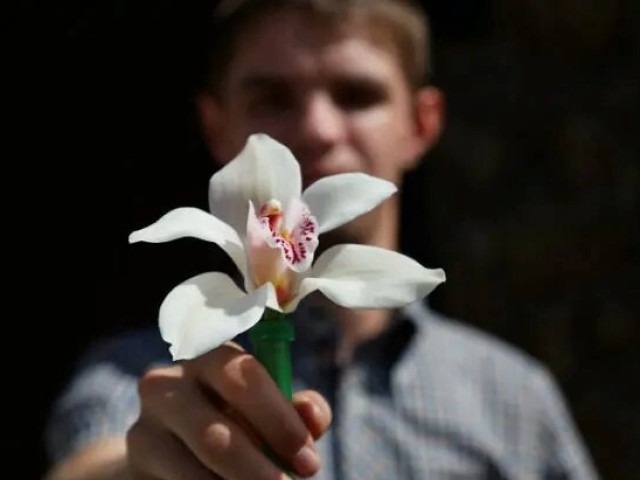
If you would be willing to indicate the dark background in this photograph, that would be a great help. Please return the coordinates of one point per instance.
(531, 201)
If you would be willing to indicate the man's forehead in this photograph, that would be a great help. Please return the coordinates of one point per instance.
(282, 54)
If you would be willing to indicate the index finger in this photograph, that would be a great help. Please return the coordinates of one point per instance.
(243, 383)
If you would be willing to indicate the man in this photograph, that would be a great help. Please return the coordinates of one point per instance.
(412, 395)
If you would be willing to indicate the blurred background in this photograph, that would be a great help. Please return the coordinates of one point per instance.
(531, 202)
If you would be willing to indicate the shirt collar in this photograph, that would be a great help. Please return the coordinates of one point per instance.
(317, 335)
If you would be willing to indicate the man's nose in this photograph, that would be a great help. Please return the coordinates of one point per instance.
(322, 123)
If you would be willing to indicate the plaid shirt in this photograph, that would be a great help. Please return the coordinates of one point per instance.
(429, 399)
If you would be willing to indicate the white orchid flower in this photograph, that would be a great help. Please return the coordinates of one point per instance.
(269, 228)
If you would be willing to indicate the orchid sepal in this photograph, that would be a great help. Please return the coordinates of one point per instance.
(269, 227)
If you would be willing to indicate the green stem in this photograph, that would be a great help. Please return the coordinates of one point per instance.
(271, 339)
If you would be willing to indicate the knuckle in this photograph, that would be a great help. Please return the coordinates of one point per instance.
(239, 374)
(155, 382)
(216, 440)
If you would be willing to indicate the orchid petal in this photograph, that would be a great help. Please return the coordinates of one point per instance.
(193, 222)
(361, 276)
(338, 199)
(264, 170)
(206, 311)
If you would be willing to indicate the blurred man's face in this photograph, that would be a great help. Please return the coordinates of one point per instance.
(339, 102)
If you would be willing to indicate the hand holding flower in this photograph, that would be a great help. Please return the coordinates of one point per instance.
(270, 229)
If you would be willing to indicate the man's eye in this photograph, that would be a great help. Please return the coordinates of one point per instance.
(272, 101)
(358, 96)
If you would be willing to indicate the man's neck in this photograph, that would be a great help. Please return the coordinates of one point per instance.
(360, 326)
(354, 327)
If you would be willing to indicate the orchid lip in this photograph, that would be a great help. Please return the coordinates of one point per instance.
(280, 244)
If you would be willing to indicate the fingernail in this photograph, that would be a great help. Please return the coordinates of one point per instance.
(316, 410)
(306, 461)
(311, 411)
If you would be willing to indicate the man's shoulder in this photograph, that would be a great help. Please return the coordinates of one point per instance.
(478, 344)
(132, 351)
(492, 397)
(469, 373)
(474, 354)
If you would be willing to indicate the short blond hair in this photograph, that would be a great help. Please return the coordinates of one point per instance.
(396, 24)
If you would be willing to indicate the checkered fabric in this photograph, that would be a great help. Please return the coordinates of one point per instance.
(430, 399)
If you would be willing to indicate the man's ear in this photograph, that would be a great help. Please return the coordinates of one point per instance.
(211, 124)
(429, 120)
